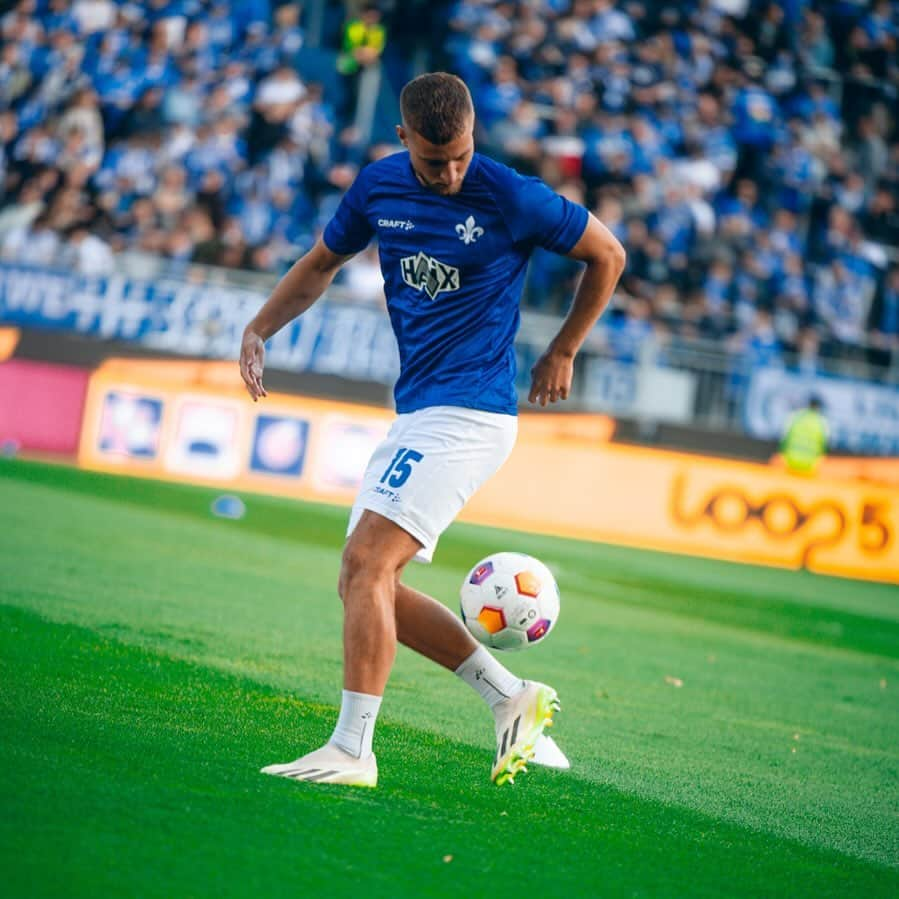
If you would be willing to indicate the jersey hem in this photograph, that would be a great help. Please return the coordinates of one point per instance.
(406, 408)
(341, 252)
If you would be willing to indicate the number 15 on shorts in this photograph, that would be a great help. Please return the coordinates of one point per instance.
(400, 467)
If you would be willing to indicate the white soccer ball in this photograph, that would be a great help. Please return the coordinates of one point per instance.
(510, 601)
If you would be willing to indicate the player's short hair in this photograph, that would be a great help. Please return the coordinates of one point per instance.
(437, 106)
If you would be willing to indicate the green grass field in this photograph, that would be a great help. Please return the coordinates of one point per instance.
(734, 731)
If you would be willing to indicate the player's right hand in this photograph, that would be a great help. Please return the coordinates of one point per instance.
(252, 362)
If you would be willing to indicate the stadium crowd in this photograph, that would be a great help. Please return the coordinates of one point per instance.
(745, 152)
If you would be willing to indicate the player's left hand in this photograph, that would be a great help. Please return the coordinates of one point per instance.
(551, 377)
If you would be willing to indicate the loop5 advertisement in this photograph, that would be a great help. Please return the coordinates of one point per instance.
(696, 505)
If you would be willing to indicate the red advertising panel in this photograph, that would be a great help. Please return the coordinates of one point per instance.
(41, 405)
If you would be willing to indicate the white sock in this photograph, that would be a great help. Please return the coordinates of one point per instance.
(356, 723)
(488, 677)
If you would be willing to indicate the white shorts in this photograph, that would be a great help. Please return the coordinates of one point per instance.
(429, 465)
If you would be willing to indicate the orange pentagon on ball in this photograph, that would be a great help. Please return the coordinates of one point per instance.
(528, 583)
(491, 619)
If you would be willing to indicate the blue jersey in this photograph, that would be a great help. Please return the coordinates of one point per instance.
(453, 268)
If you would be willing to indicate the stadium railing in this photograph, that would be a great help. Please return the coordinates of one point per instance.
(686, 381)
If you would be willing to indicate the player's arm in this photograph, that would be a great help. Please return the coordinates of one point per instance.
(303, 284)
(599, 248)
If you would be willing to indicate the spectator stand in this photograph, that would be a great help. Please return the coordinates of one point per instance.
(745, 153)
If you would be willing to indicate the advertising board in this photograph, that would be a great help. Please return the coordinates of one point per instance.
(563, 477)
(40, 406)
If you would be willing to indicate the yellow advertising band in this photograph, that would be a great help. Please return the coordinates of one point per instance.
(193, 421)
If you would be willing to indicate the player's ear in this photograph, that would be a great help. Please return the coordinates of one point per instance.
(401, 134)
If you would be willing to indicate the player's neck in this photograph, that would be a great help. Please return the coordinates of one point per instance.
(425, 186)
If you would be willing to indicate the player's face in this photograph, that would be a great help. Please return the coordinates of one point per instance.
(440, 167)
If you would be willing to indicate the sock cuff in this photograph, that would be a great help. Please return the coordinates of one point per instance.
(356, 723)
(489, 677)
(476, 658)
(362, 697)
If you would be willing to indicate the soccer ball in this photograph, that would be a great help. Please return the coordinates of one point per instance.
(510, 601)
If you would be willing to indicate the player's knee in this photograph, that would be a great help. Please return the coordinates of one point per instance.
(360, 567)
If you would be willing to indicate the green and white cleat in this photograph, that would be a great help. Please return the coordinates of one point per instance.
(329, 765)
(520, 721)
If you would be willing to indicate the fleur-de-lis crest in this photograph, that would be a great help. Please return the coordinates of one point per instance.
(469, 232)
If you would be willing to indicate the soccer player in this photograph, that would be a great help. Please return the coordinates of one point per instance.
(455, 231)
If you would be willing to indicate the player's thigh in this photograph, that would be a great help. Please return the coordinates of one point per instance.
(377, 549)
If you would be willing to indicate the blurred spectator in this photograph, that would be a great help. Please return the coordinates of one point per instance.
(627, 333)
(87, 254)
(807, 359)
(718, 287)
(756, 120)
(32, 244)
(740, 214)
(83, 115)
(840, 303)
(29, 206)
(880, 218)
(183, 102)
(756, 345)
(15, 76)
(805, 438)
(277, 99)
(146, 116)
(885, 314)
(815, 46)
(77, 156)
(519, 137)
(363, 279)
(311, 127)
(171, 197)
(288, 35)
(871, 149)
(93, 15)
(363, 42)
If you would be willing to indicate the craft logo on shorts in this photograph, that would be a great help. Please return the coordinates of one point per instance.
(425, 273)
(130, 425)
(279, 445)
(205, 441)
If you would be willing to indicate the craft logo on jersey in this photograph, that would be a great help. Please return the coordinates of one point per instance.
(425, 273)
(469, 232)
(401, 224)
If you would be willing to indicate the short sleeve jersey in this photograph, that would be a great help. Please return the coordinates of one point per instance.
(454, 268)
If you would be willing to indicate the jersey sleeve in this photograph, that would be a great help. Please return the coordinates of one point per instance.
(349, 231)
(536, 214)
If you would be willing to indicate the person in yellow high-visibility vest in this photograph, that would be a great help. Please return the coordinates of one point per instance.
(805, 440)
(364, 39)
